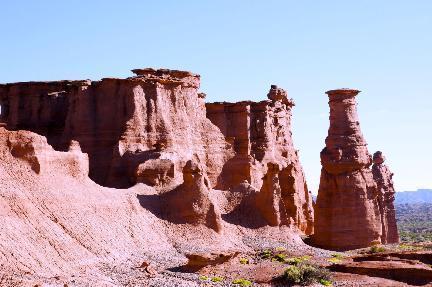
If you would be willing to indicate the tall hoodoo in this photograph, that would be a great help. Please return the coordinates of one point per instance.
(347, 215)
(386, 195)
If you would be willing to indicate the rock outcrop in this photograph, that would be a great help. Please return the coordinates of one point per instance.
(35, 151)
(140, 129)
(152, 128)
(265, 159)
(347, 214)
(191, 202)
(386, 196)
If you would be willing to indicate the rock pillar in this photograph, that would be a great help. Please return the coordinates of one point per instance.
(347, 215)
(386, 196)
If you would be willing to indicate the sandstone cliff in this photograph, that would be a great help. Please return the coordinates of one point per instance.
(386, 196)
(148, 136)
(265, 159)
(143, 128)
(347, 214)
(146, 128)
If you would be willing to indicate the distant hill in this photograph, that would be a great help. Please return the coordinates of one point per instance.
(414, 197)
(414, 221)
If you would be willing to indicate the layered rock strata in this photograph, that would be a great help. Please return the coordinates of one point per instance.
(144, 128)
(386, 196)
(347, 214)
(265, 159)
(152, 128)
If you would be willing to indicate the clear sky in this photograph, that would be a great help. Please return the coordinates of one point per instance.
(383, 48)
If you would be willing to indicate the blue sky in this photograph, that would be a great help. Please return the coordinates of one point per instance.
(383, 48)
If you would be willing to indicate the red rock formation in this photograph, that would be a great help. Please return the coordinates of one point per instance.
(143, 128)
(41, 157)
(346, 212)
(191, 202)
(265, 158)
(409, 267)
(383, 178)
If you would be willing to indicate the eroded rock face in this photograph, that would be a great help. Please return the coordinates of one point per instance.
(35, 151)
(153, 129)
(265, 159)
(386, 196)
(347, 214)
(191, 202)
(156, 116)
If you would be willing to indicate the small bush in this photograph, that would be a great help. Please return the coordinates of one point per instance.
(325, 282)
(305, 274)
(338, 256)
(334, 260)
(280, 248)
(244, 261)
(204, 278)
(376, 249)
(217, 279)
(242, 282)
(266, 254)
(293, 274)
(297, 260)
(279, 257)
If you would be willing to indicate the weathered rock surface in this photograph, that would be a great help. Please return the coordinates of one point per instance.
(148, 134)
(347, 214)
(41, 157)
(192, 202)
(121, 124)
(56, 223)
(386, 196)
(409, 267)
(265, 159)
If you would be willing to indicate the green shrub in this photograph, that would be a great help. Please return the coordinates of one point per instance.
(279, 257)
(297, 260)
(244, 261)
(334, 260)
(293, 274)
(376, 249)
(217, 279)
(242, 282)
(325, 282)
(266, 254)
(305, 274)
(338, 256)
(204, 278)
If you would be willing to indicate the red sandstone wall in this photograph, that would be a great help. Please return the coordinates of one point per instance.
(118, 122)
(265, 157)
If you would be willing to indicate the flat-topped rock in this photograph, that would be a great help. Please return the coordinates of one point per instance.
(343, 91)
(167, 76)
